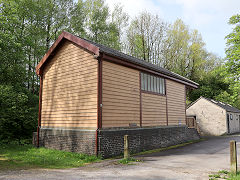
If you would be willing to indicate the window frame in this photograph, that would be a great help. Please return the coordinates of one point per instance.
(159, 88)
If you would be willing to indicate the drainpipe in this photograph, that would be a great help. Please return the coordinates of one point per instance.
(99, 99)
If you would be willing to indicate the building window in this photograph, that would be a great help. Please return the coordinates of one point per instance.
(152, 83)
(231, 117)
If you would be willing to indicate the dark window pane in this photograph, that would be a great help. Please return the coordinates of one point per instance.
(142, 81)
(158, 85)
(145, 82)
(163, 86)
(149, 82)
(152, 83)
(155, 84)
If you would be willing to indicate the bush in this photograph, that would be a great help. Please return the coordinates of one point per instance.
(18, 114)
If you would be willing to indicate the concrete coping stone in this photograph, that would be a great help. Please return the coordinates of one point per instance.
(58, 129)
(145, 128)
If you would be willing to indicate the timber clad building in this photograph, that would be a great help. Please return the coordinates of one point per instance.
(91, 96)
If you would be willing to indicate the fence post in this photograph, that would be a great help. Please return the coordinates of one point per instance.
(233, 156)
(126, 151)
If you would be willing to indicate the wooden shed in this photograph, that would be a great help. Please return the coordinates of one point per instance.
(92, 95)
(214, 118)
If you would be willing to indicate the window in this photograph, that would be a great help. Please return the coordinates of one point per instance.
(152, 83)
(231, 117)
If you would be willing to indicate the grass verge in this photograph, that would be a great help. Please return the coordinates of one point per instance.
(223, 174)
(13, 156)
(128, 161)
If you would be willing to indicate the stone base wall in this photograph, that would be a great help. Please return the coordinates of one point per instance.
(82, 141)
(111, 141)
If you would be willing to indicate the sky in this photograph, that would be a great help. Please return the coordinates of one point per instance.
(209, 17)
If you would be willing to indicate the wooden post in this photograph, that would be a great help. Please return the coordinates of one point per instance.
(233, 156)
(126, 152)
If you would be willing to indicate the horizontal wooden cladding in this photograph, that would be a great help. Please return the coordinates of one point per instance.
(68, 118)
(153, 110)
(64, 54)
(56, 61)
(76, 66)
(69, 71)
(48, 93)
(70, 103)
(79, 112)
(70, 89)
(120, 96)
(72, 75)
(70, 125)
(175, 102)
(118, 69)
(120, 89)
(70, 82)
(70, 97)
(72, 92)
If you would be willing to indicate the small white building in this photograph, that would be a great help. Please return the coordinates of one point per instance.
(213, 117)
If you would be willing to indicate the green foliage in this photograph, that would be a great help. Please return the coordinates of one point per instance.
(28, 28)
(128, 161)
(14, 156)
(223, 174)
(18, 113)
(233, 47)
(212, 85)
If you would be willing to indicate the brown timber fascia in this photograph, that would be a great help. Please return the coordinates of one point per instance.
(74, 39)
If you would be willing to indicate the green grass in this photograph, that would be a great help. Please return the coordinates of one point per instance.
(223, 174)
(128, 161)
(15, 156)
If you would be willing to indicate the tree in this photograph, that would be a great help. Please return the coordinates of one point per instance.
(233, 47)
(145, 37)
(120, 19)
(214, 85)
(97, 24)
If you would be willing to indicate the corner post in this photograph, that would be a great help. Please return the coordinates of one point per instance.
(233, 157)
(126, 144)
(39, 108)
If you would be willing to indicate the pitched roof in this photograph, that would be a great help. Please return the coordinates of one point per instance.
(225, 106)
(140, 62)
(96, 49)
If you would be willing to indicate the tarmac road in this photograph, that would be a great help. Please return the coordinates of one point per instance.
(194, 161)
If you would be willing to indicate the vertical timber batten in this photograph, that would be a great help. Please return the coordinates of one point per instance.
(39, 108)
(140, 98)
(185, 103)
(99, 99)
(165, 84)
